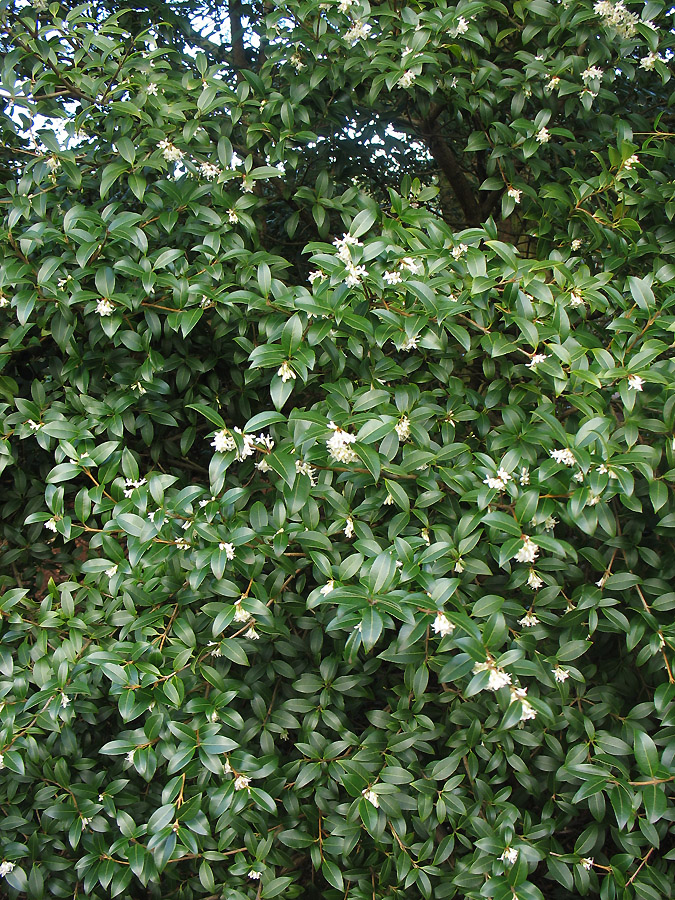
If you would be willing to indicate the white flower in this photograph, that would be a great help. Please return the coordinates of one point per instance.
(371, 797)
(296, 62)
(459, 251)
(216, 646)
(576, 299)
(527, 711)
(349, 527)
(552, 83)
(424, 534)
(587, 862)
(407, 79)
(388, 500)
(209, 171)
(182, 544)
(392, 277)
(252, 634)
(528, 552)
(537, 358)
(104, 307)
(241, 782)
(223, 441)
(305, 468)
(152, 89)
(53, 163)
(240, 614)
(232, 216)
(498, 678)
(343, 5)
(50, 524)
(328, 587)
(528, 621)
(514, 194)
(338, 445)
(533, 580)
(130, 756)
(617, 16)
(227, 768)
(65, 700)
(130, 486)
(317, 275)
(458, 567)
(442, 625)
(228, 548)
(635, 383)
(566, 457)
(357, 32)
(543, 136)
(138, 387)
(591, 73)
(5, 868)
(409, 263)
(2, 760)
(402, 428)
(578, 476)
(524, 477)
(86, 820)
(343, 244)
(410, 343)
(603, 580)
(285, 372)
(510, 855)
(354, 274)
(461, 27)
(169, 152)
(247, 185)
(550, 522)
(593, 500)
(577, 244)
(254, 874)
(4, 301)
(560, 674)
(648, 62)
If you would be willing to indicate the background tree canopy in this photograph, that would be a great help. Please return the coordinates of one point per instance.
(338, 415)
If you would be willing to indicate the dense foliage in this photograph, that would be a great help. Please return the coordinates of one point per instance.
(338, 415)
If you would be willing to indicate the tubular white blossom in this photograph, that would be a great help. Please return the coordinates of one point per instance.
(442, 625)
(402, 428)
(241, 782)
(635, 383)
(104, 307)
(560, 674)
(528, 552)
(285, 372)
(371, 797)
(338, 445)
(542, 136)
(566, 457)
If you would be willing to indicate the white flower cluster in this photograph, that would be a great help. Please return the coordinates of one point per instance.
(371, 797)
(241, 782)
(209, 171)
(130, 485)
(534, 581)
(576, 299)
(349, 527)
(615, 15)
(649, 61)
(228, 548)
(635, 383)
(224, 442)
(402, 428)
(459, 251)
(50, 524)
(542, 136)
(528, 621)
(232, 216)
(514, 194)
(285, 372)
(442, 625)
(498, 678)
(358, 31)
(5, 868)
(406, 80)
(104, 307)
(528, 552)
(392, 277)
(527, 710)
(410, 343)
(305, 468)
(169, 151)
(461, 27)
(510, 855)
(538, 358)
(338, 445)
(591, 74)
(410, 265)
(566, 457)
(500, 482)
(560, 674)
(4, 301)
